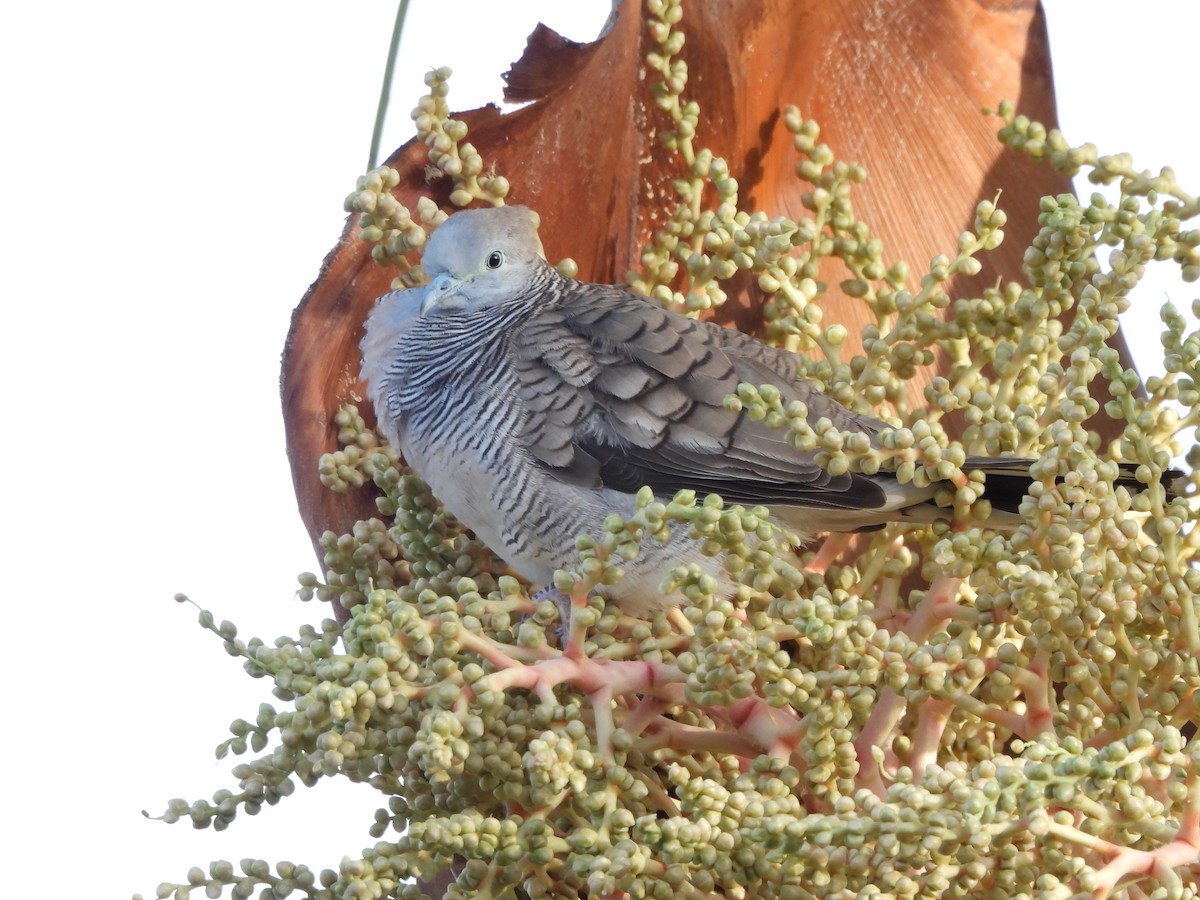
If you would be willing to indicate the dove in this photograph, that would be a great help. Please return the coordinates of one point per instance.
(536, 406)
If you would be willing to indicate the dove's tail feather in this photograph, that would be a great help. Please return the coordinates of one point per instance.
(1006, 484)
(1007, 481)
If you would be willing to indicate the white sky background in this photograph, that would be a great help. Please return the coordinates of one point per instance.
(172, 178)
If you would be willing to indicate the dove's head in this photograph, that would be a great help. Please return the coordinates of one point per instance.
(480, 258)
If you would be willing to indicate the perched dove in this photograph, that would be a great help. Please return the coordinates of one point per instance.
(536, 406)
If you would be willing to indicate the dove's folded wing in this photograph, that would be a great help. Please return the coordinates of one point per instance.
(622, 394)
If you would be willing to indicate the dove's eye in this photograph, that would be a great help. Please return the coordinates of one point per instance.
(494, 260)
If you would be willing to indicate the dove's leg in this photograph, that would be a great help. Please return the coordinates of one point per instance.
(563, 602)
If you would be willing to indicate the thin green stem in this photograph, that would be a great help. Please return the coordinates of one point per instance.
(385, 90)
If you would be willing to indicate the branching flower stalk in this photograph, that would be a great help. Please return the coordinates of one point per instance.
(391, 226)
(1020, 723)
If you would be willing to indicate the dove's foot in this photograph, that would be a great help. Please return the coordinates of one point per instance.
(563, 602)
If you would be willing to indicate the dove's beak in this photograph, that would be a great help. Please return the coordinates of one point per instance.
(441, 294)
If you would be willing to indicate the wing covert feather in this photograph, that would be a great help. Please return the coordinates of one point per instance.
(620, 391)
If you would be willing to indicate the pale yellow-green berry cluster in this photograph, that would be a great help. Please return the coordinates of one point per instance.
(449, 151)
(388, 224)
(951, 710)
(250, 877)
